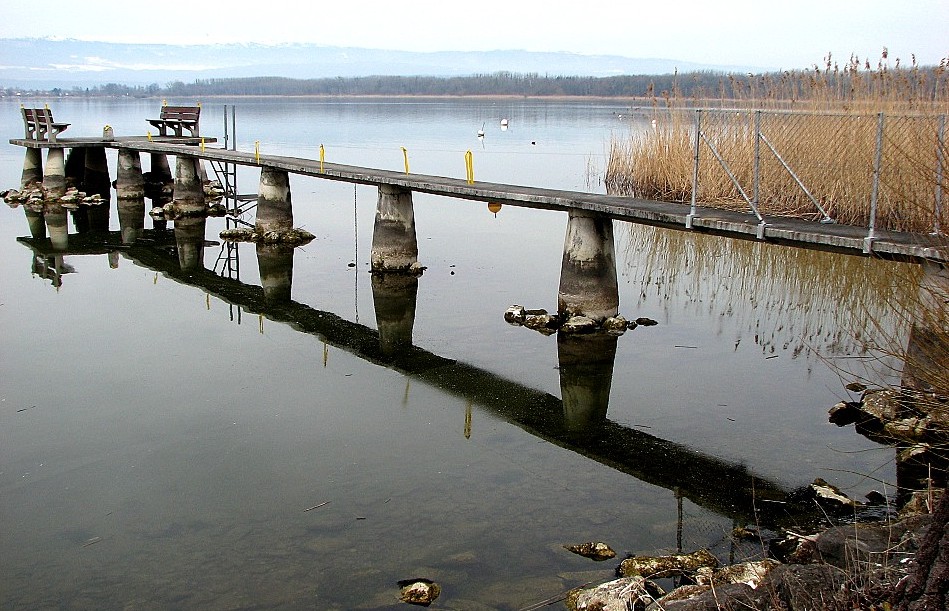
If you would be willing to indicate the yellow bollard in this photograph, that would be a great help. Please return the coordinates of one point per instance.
(322, 156)
(149, 134)
(469, 167)
(257, 150)
(202, 145)
(405, 155)
(164, 102)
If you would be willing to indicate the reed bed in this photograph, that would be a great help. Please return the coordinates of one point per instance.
(824, 124)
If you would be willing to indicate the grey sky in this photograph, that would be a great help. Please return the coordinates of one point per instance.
(786, 34)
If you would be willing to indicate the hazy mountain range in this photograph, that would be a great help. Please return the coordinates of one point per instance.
(46, 63)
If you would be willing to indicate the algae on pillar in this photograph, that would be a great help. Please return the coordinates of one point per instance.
(274, 210)
(394, 243)
(588, 284)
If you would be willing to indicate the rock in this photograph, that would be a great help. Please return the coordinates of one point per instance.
(855, 387)
(545, 323)
(515, 315)
(749, 573)
(846, 412)
(419, 591)
(830, 496)
(646, 322)
(579, 324)
(616, 325)
(596, 550)
(618, 595)
(655, 567)
(884, 405)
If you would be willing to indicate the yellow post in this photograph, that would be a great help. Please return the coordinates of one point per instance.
(202, 145)
(257, 150)
(469, 167)
(164, 102)
(405, 155)
(322, 156)
(149, 134)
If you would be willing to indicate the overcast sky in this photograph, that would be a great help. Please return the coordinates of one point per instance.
(784, 34)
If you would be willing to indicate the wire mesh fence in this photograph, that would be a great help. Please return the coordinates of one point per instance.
(882, 171)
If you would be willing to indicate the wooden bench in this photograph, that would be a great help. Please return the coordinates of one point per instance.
(39, 124)
(177, 118)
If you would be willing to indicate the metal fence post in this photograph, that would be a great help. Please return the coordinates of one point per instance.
(877, 160)
(940, 161)
(695, 167)
(757, 169)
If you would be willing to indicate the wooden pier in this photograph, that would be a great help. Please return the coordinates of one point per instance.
(789, 231)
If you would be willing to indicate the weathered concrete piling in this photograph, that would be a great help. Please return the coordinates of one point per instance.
(586, 376)
(54, 176)
(394, 244)
(588, 274)
(32, 167)
(129, 183)
(394, 297)
(189, 191)
(274, 209)
(96, 177)
(275, 264)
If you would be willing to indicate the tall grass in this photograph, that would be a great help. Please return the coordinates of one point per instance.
(823, 123)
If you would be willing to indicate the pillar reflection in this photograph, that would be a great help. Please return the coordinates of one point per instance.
(586, 375)
(275, 263)
(189, 237)
(394, 297)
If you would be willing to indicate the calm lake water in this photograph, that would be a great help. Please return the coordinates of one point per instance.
(159, 445)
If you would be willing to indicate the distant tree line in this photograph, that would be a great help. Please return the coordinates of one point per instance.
(850, 81)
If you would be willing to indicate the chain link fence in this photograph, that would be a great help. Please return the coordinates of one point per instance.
(880, 171)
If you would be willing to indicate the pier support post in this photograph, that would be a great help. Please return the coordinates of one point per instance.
(394, 297)
(54, 177)
(189, 192)
(96, 181)
(274, 210)
(160, 171)
(588, 284)
(275, 264)
(586, 375)
(394, 244)
(189, 238)
(32, 167)
(129, 183)
(76, 168)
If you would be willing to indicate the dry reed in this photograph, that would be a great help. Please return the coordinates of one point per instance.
(823, 124)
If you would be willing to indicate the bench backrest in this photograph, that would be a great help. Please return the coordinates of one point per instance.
(181, 113)
(38, 115)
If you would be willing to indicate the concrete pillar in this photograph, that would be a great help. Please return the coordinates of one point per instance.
(76, 168)
(129, 183)
(394, 297)
(57, 226)
(394, 244)
(32, 167)
(275, 264)
(189, 237)
(54, 177)
(160, 170)
(96, 177)
(586, 375)
(926, 365)
(36, 222)
(131, 218)
(588, 274)
(274, 209)
(189, 192)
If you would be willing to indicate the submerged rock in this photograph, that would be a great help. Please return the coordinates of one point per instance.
(618, 595)
(655, 567)
(579, 324)
(595, 550)
(419, 591)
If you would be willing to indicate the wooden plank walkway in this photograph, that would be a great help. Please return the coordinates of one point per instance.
(790, 231)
